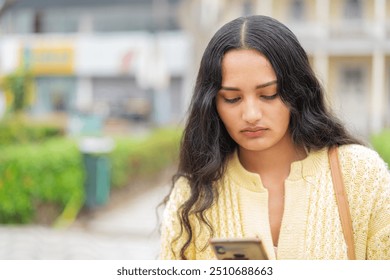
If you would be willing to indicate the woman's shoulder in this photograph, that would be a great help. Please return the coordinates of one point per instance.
(359, 162)
(180, 190)
(177, 196)
(360, 155)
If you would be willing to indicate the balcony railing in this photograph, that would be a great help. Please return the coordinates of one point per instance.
(351, 29)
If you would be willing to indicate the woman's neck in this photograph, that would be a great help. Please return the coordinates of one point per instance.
(275, 161)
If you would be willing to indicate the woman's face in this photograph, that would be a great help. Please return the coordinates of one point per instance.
(248, 102)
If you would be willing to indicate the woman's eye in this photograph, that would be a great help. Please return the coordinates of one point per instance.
(231, 100)
(269, 97)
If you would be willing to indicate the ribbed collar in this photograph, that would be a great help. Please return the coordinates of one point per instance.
(315, 162)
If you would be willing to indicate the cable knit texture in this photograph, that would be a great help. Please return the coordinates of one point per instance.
(311, 227)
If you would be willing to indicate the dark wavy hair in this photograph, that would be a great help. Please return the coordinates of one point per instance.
(206, 144)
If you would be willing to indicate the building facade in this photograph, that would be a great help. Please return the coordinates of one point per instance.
(138, 59)
(348, 43)
(118, 59)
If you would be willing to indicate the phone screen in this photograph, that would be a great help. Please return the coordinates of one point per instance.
(238, 249)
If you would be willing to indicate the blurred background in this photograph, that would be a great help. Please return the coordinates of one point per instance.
(93, 96)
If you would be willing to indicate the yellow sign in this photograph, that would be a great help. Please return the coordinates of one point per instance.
(48, 60)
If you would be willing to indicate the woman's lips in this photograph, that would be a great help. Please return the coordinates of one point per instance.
(254, 132)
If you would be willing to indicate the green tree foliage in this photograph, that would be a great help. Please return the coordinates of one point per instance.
(18, 87)
(381, 143)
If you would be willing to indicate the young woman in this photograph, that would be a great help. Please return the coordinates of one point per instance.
(254, 159)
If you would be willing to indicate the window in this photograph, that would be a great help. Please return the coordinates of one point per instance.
(54, 94)
(144, 16)
(353, 9)
(353, 80)
(352, 95)
(247, 8)
(60, 21)
(298, 10)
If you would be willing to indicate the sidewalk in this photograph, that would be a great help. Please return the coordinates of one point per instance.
(127, 231)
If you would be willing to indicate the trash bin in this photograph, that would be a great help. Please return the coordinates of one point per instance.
(95, 152)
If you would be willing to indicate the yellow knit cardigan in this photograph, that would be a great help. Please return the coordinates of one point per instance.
(311, 227)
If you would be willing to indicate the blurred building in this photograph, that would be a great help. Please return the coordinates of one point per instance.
(114, 59)
(348, 42)
(137, 59)
(349, 46)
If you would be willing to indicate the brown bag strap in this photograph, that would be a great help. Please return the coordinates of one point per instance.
(342, 201)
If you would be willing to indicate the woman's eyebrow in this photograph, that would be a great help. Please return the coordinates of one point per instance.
(267, 84)
(257, 87)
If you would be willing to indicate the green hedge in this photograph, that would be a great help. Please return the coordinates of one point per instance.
(381, 143)
(53, 172)
(15, 131)
(139, 157)
(31, 175)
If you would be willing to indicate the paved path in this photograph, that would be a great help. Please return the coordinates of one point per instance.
(119, 233)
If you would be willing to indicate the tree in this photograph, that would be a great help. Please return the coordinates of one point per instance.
(18, 89)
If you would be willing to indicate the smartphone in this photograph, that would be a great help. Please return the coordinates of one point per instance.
(238, 249)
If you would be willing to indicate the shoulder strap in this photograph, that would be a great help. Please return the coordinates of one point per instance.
(342, 201)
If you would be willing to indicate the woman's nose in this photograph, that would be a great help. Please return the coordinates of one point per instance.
(251, 112)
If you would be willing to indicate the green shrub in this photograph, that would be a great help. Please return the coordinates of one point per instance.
(381, 143)
(31, 175)
(16, 131)
(137, 158)
(53, 173)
